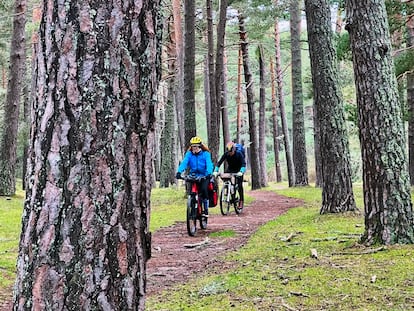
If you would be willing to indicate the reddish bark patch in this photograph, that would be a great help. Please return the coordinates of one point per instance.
(173, 262)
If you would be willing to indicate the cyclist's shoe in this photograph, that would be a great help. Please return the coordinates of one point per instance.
(204, 215)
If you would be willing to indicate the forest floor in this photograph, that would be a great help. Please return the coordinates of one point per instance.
(176, 257)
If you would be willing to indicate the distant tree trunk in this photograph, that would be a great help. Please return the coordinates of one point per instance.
(283, 117)
(337, 193)
(207, 94)
(386, 185)
(410, 101)
(167, 167)
(298, 128)
(254, 157)
(225, 113)
(262, 119)
(189, 72)
(219, 75)
(85, 230)
(179, 89)
(275, 125)
(212, 124)
(8, 149)
(239, 95)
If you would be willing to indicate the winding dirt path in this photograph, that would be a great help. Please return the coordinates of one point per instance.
(174, 262)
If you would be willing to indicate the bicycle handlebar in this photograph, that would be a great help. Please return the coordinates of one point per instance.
(193, 178)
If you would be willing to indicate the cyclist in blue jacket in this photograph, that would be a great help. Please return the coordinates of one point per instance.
(236, 163)
(198, 160)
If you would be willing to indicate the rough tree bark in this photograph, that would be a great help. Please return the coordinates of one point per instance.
(85, 230)
(337, 193)
(386, 185)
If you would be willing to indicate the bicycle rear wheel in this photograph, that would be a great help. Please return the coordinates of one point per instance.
(224, 205)
(191, 215)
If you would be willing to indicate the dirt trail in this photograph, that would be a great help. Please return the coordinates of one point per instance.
(174, 262)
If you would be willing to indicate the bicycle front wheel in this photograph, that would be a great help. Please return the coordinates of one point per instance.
(224, 204)
(191, 215)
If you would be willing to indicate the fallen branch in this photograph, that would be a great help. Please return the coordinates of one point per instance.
(299, 294)
(369, 251)
(205, 242)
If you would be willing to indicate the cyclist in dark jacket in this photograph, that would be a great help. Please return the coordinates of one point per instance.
(236, 163)
(198, 160)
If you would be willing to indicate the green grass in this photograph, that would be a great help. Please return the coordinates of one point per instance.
(275, 269)
(10, 226)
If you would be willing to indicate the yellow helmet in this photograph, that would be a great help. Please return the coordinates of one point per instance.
(195, 140)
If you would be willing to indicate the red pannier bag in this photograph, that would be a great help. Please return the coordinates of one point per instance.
(212, 192)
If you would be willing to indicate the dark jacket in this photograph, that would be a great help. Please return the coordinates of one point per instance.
(236, 162)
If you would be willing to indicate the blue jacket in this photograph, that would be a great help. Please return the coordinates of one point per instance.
(200, 164)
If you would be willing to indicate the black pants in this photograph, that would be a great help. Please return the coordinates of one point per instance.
(239, 180)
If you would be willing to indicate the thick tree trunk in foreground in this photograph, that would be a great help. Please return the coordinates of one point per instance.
(85, 238)
(386, 185)
(337, 193)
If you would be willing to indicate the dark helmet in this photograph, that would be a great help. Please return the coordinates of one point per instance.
(230, 147)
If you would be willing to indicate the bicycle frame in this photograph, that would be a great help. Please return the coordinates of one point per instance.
(194, 205)
(230, 194)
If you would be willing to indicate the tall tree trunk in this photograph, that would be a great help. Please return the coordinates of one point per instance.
(386, 184)
(298, 128)
(282, 109)
(262, 119)
(189, 72)
(8, 155)
(219, 75)
(85, 230)
(254, 157)
(239, 95)
(225, 113)
(179, 89)
(410, 101)
(212, 125)
(275, 125)
(167, 167)
(337, 193)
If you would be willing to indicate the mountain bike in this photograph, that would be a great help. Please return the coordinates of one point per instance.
(194, 205)
(229, 194)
